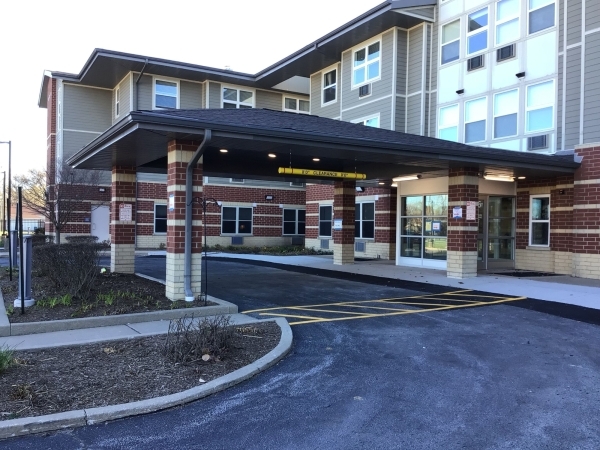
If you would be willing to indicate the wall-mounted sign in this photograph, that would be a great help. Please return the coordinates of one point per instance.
(171, 202)
(457, 212)
(337, 224)
(472, 210)
(322, 173)
(125, 212)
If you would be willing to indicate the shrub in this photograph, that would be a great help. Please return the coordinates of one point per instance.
(189, 339)
(76, 239)
(72, 267)
(6, 358)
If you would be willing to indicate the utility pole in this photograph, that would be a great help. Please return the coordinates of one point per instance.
(8, 206)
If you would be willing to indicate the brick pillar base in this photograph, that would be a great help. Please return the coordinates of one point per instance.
(122, 232)
(463, 186)
(179, 154)
(344, 208)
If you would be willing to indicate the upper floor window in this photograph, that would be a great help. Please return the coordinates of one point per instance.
(294, 221)
(296, 105)
(451, 42)
(478, 31)
(540, 106)
(364, 220)
(448, 123)
(506, 108)
(541, 15)
(369, 122)
(117, 101)
(329, 87)
(237, 98)
(165, 94)
(367, 64)
(539, 220)
(507, 21)
(475, 120)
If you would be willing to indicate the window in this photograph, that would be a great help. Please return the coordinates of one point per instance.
(329, 87)
(476, 62)
(237, 98)
(160, 219)
(507, 21)
(364, 220)
(370, 122)
(296, 105)
(475, 120)
(451, 42)
(506, 107)
(236, 220)
(236, 180)
(478, 31)
(540, 106)
(325, 220)
(117, 99)
(424, 224)
(541, 15)
(448, 123)
(165, 94)
(539, 220)
(294, 221)
(367, 62)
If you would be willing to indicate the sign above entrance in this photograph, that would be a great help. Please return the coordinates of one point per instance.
(322, 173)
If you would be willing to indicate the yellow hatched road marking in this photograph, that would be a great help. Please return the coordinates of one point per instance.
(300, 308)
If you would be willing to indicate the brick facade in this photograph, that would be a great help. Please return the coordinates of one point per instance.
(122, 231)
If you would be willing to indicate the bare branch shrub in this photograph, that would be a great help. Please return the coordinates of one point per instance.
(190, 339)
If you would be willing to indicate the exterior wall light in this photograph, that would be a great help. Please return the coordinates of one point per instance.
(407, 178)
(223, 150)
(499, 178)
(272, 155)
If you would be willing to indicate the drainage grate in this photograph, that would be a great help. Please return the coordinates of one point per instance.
(526, 274)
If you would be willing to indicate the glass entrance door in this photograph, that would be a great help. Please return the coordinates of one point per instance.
(496, 234)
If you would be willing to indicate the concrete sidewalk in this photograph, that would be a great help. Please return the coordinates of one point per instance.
(561, 288)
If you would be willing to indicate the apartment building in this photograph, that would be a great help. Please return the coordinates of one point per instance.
(515, 80)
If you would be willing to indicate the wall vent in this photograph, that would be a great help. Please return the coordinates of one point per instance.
(537, 142)
(505, 52)
(297, 240)
(364, 90)
(325, 244)
(475, 62)
(359, 247)
(237, 240)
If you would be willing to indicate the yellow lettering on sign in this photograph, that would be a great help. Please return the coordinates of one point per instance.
(322, 173)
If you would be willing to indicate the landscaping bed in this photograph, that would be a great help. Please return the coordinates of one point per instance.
(49, 381)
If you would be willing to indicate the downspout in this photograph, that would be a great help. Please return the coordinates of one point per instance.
(137, 82)
(187, 264)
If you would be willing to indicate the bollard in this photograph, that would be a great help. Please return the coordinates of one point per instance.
(14, 245)
(26, 272)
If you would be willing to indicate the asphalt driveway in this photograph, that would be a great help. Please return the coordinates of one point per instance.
(492, 376)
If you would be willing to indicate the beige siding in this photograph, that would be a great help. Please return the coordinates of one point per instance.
(190, 95)
(331, 110)
(86, 109)
(269, 100)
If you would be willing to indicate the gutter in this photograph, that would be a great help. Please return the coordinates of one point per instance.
(189, 173)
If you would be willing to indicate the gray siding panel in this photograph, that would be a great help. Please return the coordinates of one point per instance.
(592, 14)
(382, 107)
(214, 95)
(73, 141)
(190, 96)
(401, 114)
(332, 110)
(269, 100)
(379, 88)
(559, 105)
(86, 108)
(433, 115)
(124, 99)
(415, 59)
(561, 25)
(145, 93)
(414, 114)
(434, 57)
(573, 94)
(591, 130)
(401, 58)
(573, 22)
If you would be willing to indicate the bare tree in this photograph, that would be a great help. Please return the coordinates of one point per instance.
(59, 202)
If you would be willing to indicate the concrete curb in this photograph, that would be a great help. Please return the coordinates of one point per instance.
(4, 322)
(29, 425)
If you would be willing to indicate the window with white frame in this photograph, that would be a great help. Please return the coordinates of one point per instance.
(451, 42)
(506, 109)
(296, 105)
(165, 94)
(448, 123)
(329, 87)
(541, 15)
(539, 220)
(507, 21)
(475, 120)
(369, 122)
(540, 106)
(237, 98)
(477, 31)
(236, 220)
(325, 220)
(117, 102)
(294, 221)
(160, 219)
(367, 64)
(364, 220)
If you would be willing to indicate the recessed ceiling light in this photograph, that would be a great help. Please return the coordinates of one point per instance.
(521, 178)
(223, 150)
(381, 182)
(272, 155)
(316, 159)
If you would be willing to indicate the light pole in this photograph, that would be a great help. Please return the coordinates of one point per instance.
(3, 209)
(8, 206)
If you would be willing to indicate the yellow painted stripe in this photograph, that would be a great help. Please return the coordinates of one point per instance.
(299, 308)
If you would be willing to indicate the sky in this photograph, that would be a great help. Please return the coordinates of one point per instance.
(245, 35)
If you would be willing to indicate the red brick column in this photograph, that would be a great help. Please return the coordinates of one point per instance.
(178, 155)
(344, 208)
(122, 232)
(463, 187)
(316, 195)
(586, 213)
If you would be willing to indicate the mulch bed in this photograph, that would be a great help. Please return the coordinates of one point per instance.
(112, 294)
(68, 378)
